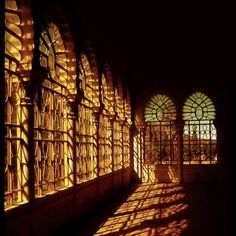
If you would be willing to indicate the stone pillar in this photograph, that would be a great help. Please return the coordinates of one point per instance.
(222, 135)
(142, 149)
(112, 119)
(122, 142)
(97, 114)
(72, 116)
(28, 125)
(179, 131)
(131, 140)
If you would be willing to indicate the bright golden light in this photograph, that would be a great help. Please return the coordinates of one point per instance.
(149, 211)
(17, 68)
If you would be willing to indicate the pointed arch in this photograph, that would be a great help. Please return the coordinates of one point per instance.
(200, 135)
(18, 63)
(160, 130)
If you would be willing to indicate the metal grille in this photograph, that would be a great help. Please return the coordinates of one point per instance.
(53, 126)
(53, 148)
(105, 145)
(200, 143)
(161, 144)
(160, 132)
(117, 142)
(16, 112)
(86, 144)
(199, 135)
(126, 145)
(16, 144)
(138, 153)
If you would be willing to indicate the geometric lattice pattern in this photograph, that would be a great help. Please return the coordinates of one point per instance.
(17, 59)
(105, 126)
(198, 107)
(160, 133)
(80, 131)
(199, 135)
(53, 126)
(160, 108)
(53, 53)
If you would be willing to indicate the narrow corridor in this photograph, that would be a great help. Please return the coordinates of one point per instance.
(159, 209)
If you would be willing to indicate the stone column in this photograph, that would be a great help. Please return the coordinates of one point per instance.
(179, 131)
(27, 122)
(97, 114)
(72, 117)
(112, 119)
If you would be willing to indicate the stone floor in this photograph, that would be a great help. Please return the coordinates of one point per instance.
(159, 209)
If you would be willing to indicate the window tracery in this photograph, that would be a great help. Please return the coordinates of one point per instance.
(160, 131)
(17, 67)
(105, 127)
(86, 129)
(53, 128)
(200, 136)
(126, 130)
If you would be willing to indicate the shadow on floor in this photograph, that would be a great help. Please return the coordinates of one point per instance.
(159, 209)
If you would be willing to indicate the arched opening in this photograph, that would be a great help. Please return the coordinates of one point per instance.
(160, 132)
(18, 63)
(105, 126)
(53, 128)
(86, 128)
(199, 136)
(126, 129)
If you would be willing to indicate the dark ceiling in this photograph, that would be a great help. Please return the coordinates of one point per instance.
(157, 43)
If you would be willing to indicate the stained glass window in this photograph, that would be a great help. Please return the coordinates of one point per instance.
(160, 131)
(53, 128)
(200, 137)
(17, 59)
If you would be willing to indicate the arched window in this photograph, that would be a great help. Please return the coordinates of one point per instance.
(86, 129)
(200, 139)
(18, 57)
(105, 127)
(160, 132)
(53, 126)
(126, 130)
(118, 129)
